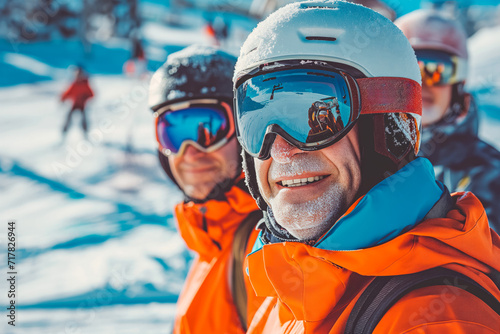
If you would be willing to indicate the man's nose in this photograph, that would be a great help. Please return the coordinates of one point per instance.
(191, 153)
(282, 151)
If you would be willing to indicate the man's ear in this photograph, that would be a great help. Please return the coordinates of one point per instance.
(464, 107)
(465, 104)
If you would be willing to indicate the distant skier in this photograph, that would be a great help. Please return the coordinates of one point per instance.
(136, 66)
(79, 92)
(221, 29)
(210, 32)
(217, 30)
(450, 140)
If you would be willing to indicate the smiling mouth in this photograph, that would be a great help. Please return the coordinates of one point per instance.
(202, 169)
(301, 182)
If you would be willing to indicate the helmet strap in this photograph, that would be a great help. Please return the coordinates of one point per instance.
(382, 153)
(458, 109)
(251, 179)
(460, 99)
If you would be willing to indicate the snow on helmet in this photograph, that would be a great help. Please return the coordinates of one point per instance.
(194, 72)
(334, 31)
(361, 41)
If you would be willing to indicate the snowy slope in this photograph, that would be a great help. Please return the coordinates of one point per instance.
(484, 80)
(97, 246)
(100, 226)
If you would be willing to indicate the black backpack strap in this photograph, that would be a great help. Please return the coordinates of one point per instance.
(385, 291)
(240, 243)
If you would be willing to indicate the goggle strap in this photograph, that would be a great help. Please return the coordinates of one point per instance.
(383, 95)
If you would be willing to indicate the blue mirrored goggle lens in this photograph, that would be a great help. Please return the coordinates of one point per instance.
(437, 68)
(202, 124)
(309, 105)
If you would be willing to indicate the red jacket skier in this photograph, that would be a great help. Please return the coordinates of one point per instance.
(79, 92)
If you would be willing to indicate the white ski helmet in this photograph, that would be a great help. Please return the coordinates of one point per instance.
(431, 29)
(428, 29)
(364, 44)
(334, 31)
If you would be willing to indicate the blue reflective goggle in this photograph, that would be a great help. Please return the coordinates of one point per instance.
(206, 124)
(309, 108)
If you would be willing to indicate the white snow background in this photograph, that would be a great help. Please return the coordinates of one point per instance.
(96, 244)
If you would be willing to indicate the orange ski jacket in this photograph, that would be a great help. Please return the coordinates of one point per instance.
(312, 289)
(205, 304)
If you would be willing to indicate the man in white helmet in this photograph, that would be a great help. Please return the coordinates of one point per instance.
(358, 236)
(450, 140)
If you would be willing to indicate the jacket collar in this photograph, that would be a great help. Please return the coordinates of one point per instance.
(208, 228)
(404, 198)
(451, 135)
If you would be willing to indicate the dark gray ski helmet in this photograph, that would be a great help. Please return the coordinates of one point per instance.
(192, 73)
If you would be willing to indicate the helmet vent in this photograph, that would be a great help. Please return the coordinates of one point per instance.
(255, 48)
(321, 38)
(318, 5)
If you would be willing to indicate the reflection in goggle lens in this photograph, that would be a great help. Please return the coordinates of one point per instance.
(437, 68)
(205, 125)
(305, 106)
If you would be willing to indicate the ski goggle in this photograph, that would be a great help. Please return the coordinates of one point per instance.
(440, 68)
(313, 108)
(206, 124)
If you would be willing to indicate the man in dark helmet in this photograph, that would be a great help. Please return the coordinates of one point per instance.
(450, 140)
(358, 236)
(191, 97)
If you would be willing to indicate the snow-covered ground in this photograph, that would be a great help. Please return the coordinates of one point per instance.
(484, 81)
(93, 217)
(96, 244)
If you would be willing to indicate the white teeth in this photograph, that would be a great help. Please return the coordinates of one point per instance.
(301, 182)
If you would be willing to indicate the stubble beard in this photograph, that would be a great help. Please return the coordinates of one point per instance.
(309, 220)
